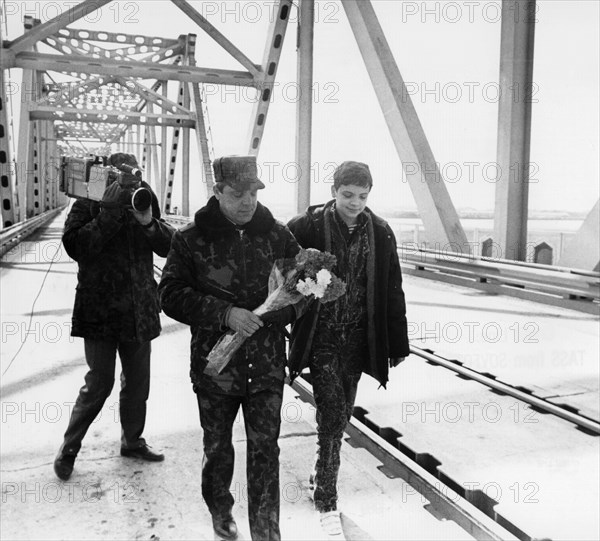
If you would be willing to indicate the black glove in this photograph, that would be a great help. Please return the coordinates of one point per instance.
(114, 196)
(121, 158)
(281, 317)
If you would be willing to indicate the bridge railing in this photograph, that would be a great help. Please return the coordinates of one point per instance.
(567, 288)
(12, 235)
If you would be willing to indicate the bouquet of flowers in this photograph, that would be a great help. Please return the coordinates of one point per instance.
(308, 275)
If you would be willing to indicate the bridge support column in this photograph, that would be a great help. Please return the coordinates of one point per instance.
(304, 105)
(514, 128)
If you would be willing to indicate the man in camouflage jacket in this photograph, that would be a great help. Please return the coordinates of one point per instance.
(116, 309)
(216, 273)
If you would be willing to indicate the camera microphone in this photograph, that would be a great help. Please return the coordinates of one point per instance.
(130, 170)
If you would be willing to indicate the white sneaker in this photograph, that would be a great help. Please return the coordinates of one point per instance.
(332, 525)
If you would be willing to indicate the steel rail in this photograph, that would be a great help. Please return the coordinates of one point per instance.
(540, 403)
(15, 233)
(449, 505)
(510, 262)
(576, 289)
(504, 388)
(542, 278)
(487, 273)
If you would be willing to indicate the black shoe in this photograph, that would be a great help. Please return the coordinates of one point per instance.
(226, 528)
(143, 453)
(63, 466)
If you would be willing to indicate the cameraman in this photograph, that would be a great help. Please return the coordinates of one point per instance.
(116, 308)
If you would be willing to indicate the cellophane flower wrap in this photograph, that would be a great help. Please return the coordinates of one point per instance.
(308, 275)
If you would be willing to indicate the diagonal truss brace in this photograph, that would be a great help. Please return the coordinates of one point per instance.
(42, 31)
(266, 83)
(441, 221)
(150, 95)
(217, 36)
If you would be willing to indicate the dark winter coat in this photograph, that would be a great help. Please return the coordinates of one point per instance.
(116, 295)
(213, 266)
(386, 308)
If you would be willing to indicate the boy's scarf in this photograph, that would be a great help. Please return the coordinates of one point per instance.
(328, 215)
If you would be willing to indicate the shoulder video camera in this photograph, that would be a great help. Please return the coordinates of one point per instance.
(87, 178)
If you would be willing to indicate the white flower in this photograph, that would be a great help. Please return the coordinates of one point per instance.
(319, 290)
(304, 286)
(310, 287)
(324, 277)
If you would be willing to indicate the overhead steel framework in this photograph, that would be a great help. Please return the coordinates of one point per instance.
(110, 90)
(87, 91)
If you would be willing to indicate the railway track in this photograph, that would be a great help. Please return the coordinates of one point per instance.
(526, 396)
(473, 510)
(444, 502)
(450, 497)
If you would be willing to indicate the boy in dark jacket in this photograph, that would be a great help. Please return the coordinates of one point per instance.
(116, 309)
(364, 330)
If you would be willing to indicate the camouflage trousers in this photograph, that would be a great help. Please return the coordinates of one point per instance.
(262, 420)
(335, 367)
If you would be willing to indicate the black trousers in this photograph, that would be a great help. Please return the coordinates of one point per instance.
(100, 356)
(262, 420)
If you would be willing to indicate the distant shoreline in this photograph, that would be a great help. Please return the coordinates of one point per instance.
(464, 214)
(489, 215)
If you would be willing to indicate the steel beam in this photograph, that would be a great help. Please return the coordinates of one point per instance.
(265, 83)
(123, 39)
(217, 36)
(129, 140)
(185, 137)
(68, 114)
(168, 192)
(442, 225)
(304, 104)
(42, 31)
(514, 128)
(130, 68)
(206, 174)
(149, 95)
(153, 172)
(45, 158)
(24, 164)
(33, 177)
(6, 164)
(185, 167)
(35, 193)
(64, 93)
(163, 151)
(52, 169)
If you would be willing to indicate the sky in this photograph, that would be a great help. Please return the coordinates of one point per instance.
(448, 54)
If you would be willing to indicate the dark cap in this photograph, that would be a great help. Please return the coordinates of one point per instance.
(238, 172)
(121, 158)
(353, 173)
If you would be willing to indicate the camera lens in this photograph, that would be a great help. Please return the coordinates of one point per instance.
(141, 199)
